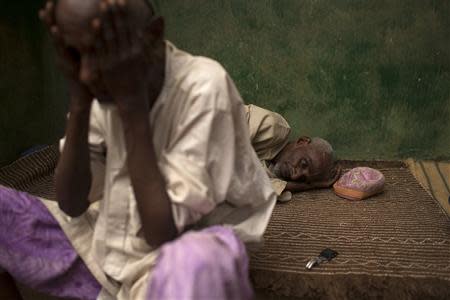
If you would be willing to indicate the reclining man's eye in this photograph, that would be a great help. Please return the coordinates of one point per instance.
(303, 163)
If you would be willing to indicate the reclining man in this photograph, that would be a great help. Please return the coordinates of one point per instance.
(164, 147)
(293, 166)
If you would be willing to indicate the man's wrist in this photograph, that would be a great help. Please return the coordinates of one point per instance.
(79, 91)
(133, 104)
(133, 109)
(135, 120)
(79, 108)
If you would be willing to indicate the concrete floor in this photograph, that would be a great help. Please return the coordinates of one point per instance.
(434, 176)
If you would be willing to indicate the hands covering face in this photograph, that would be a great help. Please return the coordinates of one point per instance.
(116, 63)
(67, 59)
(121, 58)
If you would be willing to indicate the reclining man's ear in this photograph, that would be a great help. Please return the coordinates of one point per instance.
(305, 140)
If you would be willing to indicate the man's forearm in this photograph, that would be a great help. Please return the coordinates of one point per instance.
(73, 174)
(148, 184)
(295, 187)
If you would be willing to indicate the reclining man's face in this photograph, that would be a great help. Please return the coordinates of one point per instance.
(302, 161)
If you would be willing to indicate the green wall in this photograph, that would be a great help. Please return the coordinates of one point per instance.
(32, 96)
(373, 77)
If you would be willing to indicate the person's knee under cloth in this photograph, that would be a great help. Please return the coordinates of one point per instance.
(207, 264)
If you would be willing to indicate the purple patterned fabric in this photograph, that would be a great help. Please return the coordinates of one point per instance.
(362, 179)
(208, 264)
(35, 251)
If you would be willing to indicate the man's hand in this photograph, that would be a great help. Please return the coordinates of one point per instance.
(122, 62)
(73, 175)
(68, 60)
(134, 80)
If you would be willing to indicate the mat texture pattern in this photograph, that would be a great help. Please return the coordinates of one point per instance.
(33, 173)
(395, 245)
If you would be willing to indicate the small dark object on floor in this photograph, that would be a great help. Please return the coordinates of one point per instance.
(326, 255)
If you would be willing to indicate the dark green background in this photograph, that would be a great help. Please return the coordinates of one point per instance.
(373, 77)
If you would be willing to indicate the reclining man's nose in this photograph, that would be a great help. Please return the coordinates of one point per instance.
(298, 174)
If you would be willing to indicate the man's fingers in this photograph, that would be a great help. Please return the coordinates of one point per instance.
(100, 47)
(132, 34)
(41, 14)
(107, 31)
(49, 4)
(45, 13)
(54, 30)
(58, 41)
(96, 24)
(120, 26)
(50, 12)
(100, 44)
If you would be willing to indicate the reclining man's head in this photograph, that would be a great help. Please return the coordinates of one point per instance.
(84, 24)
(307, 160)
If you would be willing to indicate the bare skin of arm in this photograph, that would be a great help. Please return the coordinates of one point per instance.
(148, 184)
(73, 175)
(121, 51)
(295, 187)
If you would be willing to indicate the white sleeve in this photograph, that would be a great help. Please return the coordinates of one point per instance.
(199, 166)
(97, 150)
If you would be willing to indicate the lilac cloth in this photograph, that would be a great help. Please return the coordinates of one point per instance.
(207, 264)
(362, 179)
(35, 251)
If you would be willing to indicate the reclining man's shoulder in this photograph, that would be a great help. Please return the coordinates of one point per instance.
(269, 131)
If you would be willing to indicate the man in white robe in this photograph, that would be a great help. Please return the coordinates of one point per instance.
(156, 143)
